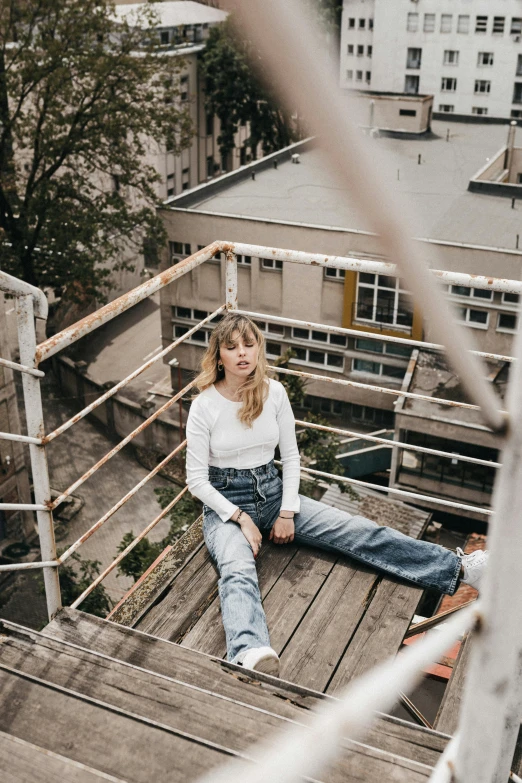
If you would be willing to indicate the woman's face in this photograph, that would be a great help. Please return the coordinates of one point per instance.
(239, 356)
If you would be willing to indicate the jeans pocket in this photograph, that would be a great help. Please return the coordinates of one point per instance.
(220, 483)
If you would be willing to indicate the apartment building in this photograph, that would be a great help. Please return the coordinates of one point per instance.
(278, 204)
(466, 53)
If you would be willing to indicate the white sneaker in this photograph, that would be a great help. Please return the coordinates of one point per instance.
(474, 566)
(262, 659)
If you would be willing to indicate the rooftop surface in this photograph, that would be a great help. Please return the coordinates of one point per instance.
(177, 13)
(433, 377)
(308, 193)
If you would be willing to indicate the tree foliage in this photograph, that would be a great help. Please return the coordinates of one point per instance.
(84, 98)
(186, 510)
(238, 91)
(73, 581)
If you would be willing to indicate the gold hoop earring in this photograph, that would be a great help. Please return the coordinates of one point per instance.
(220, 366)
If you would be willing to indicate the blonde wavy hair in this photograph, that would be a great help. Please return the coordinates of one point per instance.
(254, 390)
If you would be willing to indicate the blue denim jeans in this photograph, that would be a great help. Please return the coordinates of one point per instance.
(258, 492)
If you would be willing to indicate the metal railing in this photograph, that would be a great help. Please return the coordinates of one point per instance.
(32, 354)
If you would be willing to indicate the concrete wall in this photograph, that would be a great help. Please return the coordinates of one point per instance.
(393, 112)
(118, 415)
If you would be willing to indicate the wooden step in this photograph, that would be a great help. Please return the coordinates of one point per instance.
(284, 699)
(96, 734)
(21, 761)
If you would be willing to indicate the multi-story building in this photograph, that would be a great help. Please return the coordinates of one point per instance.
(274, 203)
(468, 55)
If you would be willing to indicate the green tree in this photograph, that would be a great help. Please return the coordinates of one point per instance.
(73, 581)
(237, 91)
(84, 98)
(315, 446)
(186, 510)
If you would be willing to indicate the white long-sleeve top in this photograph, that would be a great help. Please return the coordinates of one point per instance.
(216, 436)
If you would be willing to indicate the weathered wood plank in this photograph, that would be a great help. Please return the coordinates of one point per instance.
(186, 599)
(86, 732)
(284, 699)
(380, 632)
(171, 703)
(291, 596)
(96, 680)
(448, 715)
(313, 652)
(22, 761)
(208, 635)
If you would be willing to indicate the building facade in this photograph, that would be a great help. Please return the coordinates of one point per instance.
(468, 55)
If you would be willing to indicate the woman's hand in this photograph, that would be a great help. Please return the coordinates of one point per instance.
(251, 532)
(283, 530)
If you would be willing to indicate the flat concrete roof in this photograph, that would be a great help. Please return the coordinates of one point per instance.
(307, 193)
(176, 13)
(433, 377)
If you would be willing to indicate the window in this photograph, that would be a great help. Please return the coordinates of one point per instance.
(319, 337)
(516, 114)
(349, 75)
(381, 299)
(506, 322)
(516, 26)
(463, 24)
(272, 349)
(479, 110)
(485, 58)
(200, 337)
(448, 84)
(476, 318)
(369, 51)
(475, 293)
(189, 314)
(407, 113)
(446, 23)
(517, 92)
(269, 328)
(413, 58)
(519, 65)
(362, 24)
(482, 86)
(209, 124)
(481, 24)
(369, 415)
(210, 165)
(164, 38)
(360, 51)
(349, 49)
(374, 346)
(447, 108)
(429, 23)
(498, 25)
(244, 260)
(358, 76)
(375, 368)
(370, 23)
(170, 185)
(411, 84)
(334, 274)
(179, 249)
(412, 23)
(322, 358)
(271, 263)
(451, 57)
(351, 23)
(368, 76)
(510, 298)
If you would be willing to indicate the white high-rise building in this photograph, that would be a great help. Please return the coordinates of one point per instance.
(466, 53)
